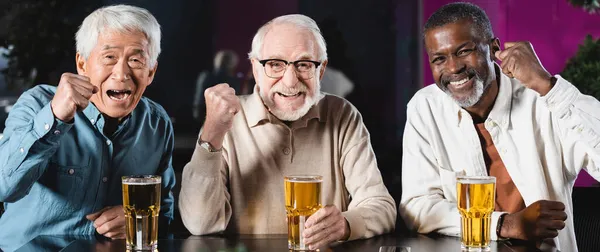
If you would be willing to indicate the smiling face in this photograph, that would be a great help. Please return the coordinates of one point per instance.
(461, 61)
(118, 66)
(290, 96)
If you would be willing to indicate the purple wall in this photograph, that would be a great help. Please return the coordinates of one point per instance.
(554, 28)
(237, 22)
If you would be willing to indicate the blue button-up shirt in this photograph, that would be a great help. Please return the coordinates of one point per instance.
(53, 173)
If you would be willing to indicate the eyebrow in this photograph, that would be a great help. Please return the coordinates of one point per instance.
(305, 56)
(109, 47)
(457, 48)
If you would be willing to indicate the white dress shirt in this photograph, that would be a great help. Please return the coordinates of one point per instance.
(543, 141)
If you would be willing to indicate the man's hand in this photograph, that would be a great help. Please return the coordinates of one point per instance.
(109, 221)
(539, 221)
(72, 94)
(221, 107)
(519, 61)
(324, 227)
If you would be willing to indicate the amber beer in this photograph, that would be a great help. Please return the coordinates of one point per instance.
(476, 200)
(302, 199)
(141, 202)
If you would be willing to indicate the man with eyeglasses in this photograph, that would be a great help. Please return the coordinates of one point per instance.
(234, 181)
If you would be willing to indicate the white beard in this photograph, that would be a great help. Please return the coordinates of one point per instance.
(309, 101)
(479, 87)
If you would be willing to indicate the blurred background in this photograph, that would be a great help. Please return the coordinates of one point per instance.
(376, 58)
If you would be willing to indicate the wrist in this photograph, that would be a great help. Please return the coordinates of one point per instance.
(208, 146)
(215, 138)
(544, 84)
(499, 226)
(59, 116)
(506, 228)
(346, 231)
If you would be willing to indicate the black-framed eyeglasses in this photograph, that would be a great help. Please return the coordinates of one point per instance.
(275, 68)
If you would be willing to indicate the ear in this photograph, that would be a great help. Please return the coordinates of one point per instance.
(494, 47)
(152, 73)
(81, 64)
(323, 66)
(255, 68)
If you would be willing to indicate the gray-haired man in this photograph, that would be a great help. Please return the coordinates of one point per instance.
(65, 148)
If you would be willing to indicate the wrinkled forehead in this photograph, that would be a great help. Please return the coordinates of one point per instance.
(451, 35)
(289, 42)
(111, 37)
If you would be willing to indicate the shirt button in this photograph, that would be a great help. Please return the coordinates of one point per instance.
(92, 120)
(56, 132)
(71, 171)
(286, 150)
(22, 150)
(104, 179)
(46, 126)
(107, 142)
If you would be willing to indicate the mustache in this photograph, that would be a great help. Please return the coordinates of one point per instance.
(280, 88)
(445, 80)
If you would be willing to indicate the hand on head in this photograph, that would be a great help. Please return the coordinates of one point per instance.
(519, 61)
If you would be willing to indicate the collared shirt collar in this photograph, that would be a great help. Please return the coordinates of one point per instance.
(92, 113)
(257, 111)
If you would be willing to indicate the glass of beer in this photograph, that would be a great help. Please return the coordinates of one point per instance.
(302, 199)
(476, 201)
(141, 202)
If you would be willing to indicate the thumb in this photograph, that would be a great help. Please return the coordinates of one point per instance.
(499, 55)
(94, 216)
(509, 45)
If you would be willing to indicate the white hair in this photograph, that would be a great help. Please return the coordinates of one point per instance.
(298, 20)
(119, 18)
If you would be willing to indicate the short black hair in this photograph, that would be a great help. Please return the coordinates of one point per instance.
(454, 12)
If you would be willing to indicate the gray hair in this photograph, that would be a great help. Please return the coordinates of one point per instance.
(120, 18)
(298, 20)
(454, 12)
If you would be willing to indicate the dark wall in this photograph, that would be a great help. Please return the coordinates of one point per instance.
(187, 47)
(375, 44)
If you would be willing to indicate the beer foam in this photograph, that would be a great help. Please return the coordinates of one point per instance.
(304, 181)
(141, 183)
(304, 178)
(476, 180)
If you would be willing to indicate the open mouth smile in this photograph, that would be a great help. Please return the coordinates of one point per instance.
(118, 94)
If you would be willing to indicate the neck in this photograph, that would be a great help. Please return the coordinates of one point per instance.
(110, 125)
(480, 111)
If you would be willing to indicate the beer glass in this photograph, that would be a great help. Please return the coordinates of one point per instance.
(476, 200)
(302, 199)
(141, 202)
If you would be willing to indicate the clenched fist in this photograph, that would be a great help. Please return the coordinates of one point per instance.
(221, 107)
(519, 61)
(73, 94)
(540, 220)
